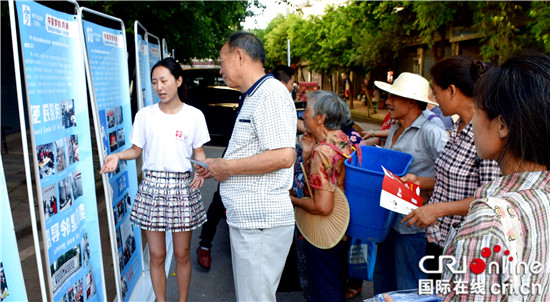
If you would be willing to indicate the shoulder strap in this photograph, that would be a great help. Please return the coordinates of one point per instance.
(339, 154)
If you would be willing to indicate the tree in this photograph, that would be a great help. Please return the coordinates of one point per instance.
(539, 24)
(195, 29)
(500, 29)
(363, 34)
(432, 19)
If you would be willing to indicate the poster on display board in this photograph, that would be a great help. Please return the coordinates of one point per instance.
(106, 50)
(62, 151)
(154, 57)
(12, 284)
(145, 71)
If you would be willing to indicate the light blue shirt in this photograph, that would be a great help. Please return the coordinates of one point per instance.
(424, 140)
(434, 118)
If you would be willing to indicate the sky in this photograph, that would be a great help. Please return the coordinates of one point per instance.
(274, 7)
(262, 18)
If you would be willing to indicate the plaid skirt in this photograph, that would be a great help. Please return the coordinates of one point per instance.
(166, 202)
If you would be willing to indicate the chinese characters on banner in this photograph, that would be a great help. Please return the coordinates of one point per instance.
(107, 56)
(62, 151)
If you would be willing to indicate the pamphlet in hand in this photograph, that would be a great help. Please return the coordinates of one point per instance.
(398, 196)
(198, 162)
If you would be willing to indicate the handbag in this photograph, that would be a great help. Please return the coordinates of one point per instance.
(361, 259)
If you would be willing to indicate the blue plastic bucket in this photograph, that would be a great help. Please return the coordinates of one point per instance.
(368, 220)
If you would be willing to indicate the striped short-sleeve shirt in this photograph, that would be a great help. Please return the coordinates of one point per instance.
(266, 121)
(525, 199)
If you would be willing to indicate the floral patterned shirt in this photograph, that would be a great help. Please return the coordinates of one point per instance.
(326, 166)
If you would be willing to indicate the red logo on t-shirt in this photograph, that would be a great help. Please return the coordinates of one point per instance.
(180, 136)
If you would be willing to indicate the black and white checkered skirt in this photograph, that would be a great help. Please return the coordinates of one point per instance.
(166, 202)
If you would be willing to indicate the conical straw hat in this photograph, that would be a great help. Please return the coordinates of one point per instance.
(324, 232)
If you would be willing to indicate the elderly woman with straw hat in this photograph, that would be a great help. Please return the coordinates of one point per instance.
(323, 218)
(413, 133)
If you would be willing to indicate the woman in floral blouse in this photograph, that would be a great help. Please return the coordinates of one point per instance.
(323, 144)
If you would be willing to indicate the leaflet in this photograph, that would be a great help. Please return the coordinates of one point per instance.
(398, 196)
(198, 162)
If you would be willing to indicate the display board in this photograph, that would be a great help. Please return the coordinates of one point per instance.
(154, 57)
(61, 150)
(106, 53)
(144, 76)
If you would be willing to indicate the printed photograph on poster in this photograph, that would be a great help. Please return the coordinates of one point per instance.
(128, 201)
(60, 154)
(121, 165)
(115, 215)
(112, 141)
(111, 120)
(118, 239)
(128, 241)
(4, 292)
(46, 160)
(85, 249)
(76, 292)
(65, 266)
(120, 262)
(90, 284)
(73, 155)
(65, 194)
(68, 113)
(120, 209)
(123, 287)
(74, 142)
(49, 200)
(76, 184)
(121, 141)
(119, 118)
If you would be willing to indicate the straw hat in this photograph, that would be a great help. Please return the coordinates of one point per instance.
(408, 85)
(324, 232)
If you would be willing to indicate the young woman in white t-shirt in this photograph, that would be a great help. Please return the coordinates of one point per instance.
(168, 198)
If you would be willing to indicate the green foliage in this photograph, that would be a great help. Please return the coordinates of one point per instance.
(495, 21)
(540, 23)
(363, 34)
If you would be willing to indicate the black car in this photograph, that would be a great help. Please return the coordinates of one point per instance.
(208, 92)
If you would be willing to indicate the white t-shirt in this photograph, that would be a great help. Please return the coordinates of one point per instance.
(167, 139)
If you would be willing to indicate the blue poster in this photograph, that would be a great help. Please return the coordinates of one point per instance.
(62, 151)
(12, 284)
(107, 56)
(154, 57)
(145, 72)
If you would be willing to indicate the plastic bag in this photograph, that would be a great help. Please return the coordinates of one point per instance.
(361, 259)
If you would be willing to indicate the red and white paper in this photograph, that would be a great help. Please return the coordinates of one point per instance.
(398, 196)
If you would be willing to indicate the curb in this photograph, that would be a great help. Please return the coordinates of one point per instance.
(360, 115)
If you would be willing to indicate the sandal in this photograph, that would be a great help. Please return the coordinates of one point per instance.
(352, 292)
